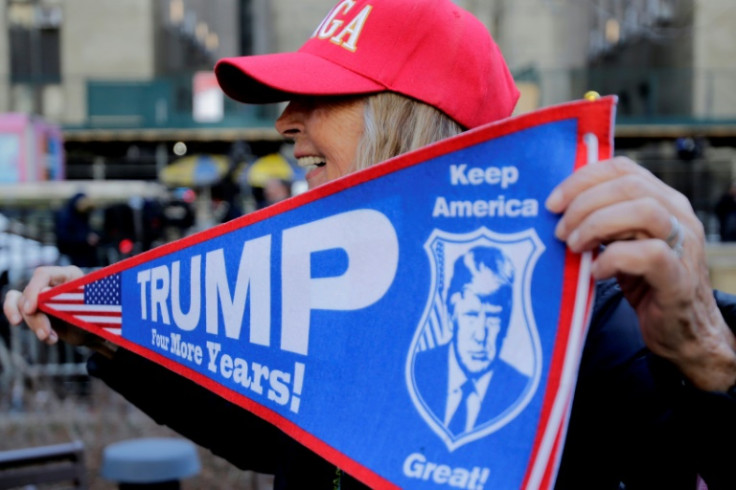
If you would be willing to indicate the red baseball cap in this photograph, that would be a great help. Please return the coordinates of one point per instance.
(430, 50)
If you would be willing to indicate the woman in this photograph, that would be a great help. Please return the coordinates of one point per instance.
(652, 402)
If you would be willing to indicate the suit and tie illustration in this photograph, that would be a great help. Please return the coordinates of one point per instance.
(464, 383)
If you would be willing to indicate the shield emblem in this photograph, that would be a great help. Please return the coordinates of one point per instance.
(505, 368)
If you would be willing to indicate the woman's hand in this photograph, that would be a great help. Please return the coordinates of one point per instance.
(22, 307)
(663, 273)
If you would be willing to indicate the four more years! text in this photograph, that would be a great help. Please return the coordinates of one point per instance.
(279, 386)
(498, 207)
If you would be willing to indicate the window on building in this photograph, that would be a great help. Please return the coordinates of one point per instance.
(34, 39)
(246, 27)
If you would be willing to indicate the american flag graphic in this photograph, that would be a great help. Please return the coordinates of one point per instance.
(97, 303)
(437, 329)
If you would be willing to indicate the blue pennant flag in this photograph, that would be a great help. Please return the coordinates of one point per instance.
(415, 323)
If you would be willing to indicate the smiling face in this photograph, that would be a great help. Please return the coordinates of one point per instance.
(326, 132)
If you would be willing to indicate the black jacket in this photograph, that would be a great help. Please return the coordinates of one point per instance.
(635, 422)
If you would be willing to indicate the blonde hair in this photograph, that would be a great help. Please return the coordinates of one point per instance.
(396, 124)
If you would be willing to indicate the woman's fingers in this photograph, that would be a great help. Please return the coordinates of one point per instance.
(43, 278)
(642, 218)
(652, 260)
(37, 322)
(588, 177)
(654, 245)
(618, 201)
(12, 307)
(21, 307)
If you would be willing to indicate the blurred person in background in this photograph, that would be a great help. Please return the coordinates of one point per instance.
(118, 228)
(178, 215)
(75, 237)
(725, 210)
(225, 200)
(276, 190)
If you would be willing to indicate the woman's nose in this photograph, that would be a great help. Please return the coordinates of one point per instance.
(291, 121)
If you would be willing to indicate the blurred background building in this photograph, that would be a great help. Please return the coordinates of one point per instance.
(123, 78)
(120, 91)
(130, 83)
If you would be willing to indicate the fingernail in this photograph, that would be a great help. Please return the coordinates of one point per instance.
(560, 230)
(15, 319)
(41, 334)
(53, 337)
(27, 307)
(573, 239)
(554, 201)
(594, 269)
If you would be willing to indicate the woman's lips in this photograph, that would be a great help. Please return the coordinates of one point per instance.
(310, 161)
(313, 176)
(313, 166)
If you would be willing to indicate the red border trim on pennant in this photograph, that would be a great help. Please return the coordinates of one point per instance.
(593, 123)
